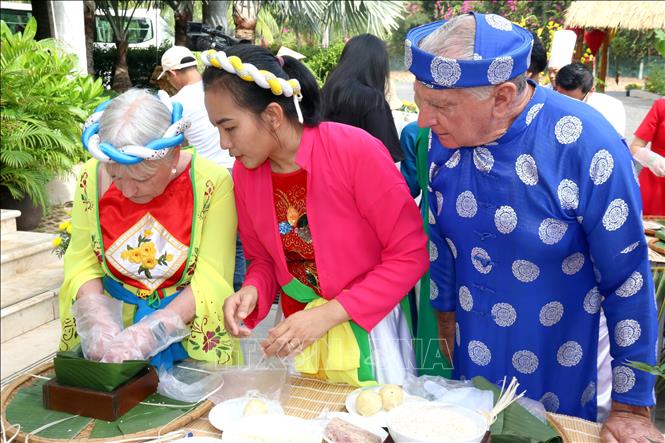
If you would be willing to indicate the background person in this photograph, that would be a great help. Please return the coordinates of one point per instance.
(326, 220)
(142, 280)
(355, 91)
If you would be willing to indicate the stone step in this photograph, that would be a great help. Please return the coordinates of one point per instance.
(8, 221)
(29, 350)
(27, 315)
(25, 252)
(24, 286)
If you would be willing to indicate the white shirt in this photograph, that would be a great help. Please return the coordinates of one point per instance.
(201, 134)
(611, 108)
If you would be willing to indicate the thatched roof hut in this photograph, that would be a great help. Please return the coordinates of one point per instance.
(640, 16)
(610, 16)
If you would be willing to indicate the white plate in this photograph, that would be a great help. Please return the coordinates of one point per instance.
(272, 428)
(356, 420)
(231, 411)
(380, 419)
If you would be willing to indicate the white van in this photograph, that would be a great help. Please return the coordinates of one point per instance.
(146, 29)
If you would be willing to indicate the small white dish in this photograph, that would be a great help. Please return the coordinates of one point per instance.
(272, 428)
(356, 420)
(380, 419)
(230, 411)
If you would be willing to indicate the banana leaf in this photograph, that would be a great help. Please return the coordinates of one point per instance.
(515, 424)
(26, 409)
(72, 369)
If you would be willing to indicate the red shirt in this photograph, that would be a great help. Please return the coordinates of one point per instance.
(652, 188)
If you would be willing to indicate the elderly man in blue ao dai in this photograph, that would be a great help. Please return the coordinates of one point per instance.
(535, 217)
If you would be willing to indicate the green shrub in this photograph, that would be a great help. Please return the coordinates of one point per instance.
(319, 60)
(141, 63)
(655, 82)
(43, 106)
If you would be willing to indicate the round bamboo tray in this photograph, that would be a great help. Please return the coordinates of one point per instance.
(11, 389)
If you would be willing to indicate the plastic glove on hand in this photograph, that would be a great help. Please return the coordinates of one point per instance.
(649, 159)
(147, 338)
(98, 321)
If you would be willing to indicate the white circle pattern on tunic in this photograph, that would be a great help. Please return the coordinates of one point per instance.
(533, 112)
(498, 22)
(525, 362)
(430, 216)
(479, 353)
(457, 334)
(453, 160)
(478, 256)
(631, 286)
(525, 271)
(601, 168)
(504, 314)
(466, 205)
(569, 194)
(550, 401)
(452, 247)
(433, 252)
(526, 169)
(592, 301)
(623, 379)
(551, 230)
(569, 354)
(433, 290)
(615, 215)
(551, 313)
(483, 159)
(476, 56)
(408, 54)
(630, 248)
(505, 219)
(627, 332)
(445, 71)
(432, 170)
(439, 202)
(572, 264)
(588, 394)
(568, 129)
(500, 70)
(465, 298)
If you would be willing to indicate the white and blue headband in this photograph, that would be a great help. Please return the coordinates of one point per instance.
(502, 50)
(132, 154)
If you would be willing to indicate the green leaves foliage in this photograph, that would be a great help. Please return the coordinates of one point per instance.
(43, 105)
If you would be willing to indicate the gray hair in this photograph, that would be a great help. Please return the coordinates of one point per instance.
(456, 39)
(135, 117)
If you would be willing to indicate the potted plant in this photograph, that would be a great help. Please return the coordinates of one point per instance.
(43, 105)
(630, 86)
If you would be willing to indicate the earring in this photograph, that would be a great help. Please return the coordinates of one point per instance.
(173, 171)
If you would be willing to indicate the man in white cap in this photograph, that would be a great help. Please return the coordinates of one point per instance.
(535, 223)
(179, 67)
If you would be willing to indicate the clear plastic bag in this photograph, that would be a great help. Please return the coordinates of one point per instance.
(269, 380)
(190, 381)
(443, 390)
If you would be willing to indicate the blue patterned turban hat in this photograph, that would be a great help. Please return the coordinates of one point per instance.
(502, 50)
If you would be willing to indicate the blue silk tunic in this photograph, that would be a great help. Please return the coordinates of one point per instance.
(530, 236)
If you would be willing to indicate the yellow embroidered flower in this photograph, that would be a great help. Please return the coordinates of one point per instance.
(143, 293)
(124, 255)
(134, 256)
(147, 233)
(148, 250)
(149, 262)
(169, 257)
(56, 241)
(69, 229)
(64, 225)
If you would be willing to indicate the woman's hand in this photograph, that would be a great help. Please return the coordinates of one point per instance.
(237, 307)
(98, 321)
(303, 328)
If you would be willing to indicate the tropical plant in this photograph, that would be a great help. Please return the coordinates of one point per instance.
(43, 104)
(183, 11)
(119, 14)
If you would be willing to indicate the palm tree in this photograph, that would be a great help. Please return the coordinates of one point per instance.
(214, 13)
(183, 10)
(89, 22)
(119, 14)
(245, 14)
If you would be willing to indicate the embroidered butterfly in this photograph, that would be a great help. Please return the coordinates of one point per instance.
(295, 222)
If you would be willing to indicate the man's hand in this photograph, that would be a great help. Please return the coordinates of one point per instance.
(237, 307)
(629, 424)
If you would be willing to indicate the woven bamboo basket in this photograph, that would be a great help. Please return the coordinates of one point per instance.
(10, 391)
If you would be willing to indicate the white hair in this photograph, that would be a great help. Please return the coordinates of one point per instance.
(135, 117)
(456, 39)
